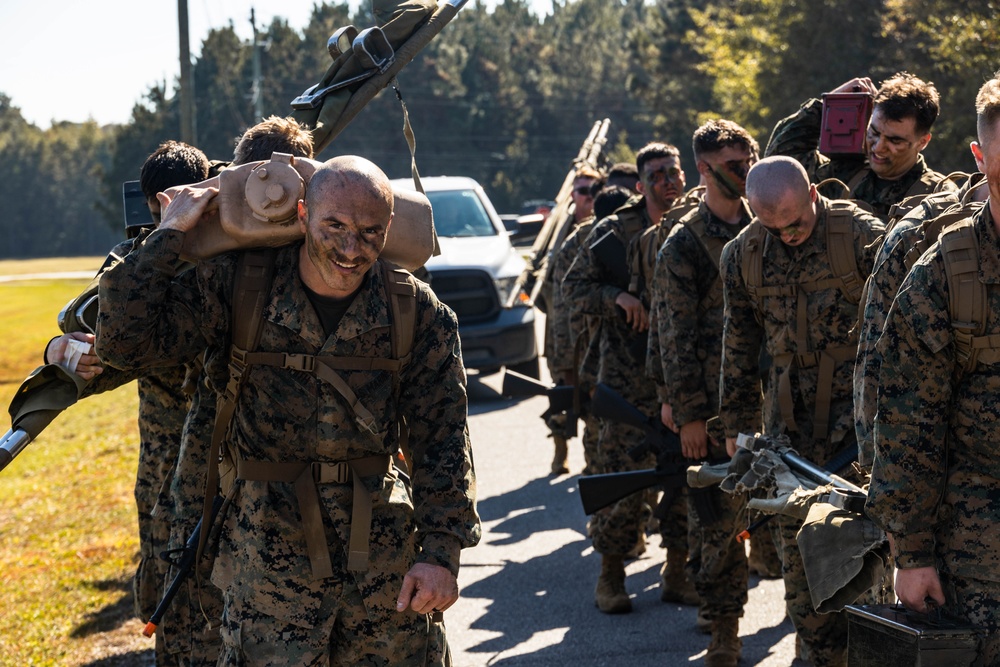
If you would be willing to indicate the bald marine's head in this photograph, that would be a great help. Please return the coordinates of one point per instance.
(783, 199)
(345, 217)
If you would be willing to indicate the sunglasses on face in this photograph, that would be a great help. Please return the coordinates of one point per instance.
(583, 191)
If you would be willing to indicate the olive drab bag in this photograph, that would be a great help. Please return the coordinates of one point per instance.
(845, 276)
(251, 291)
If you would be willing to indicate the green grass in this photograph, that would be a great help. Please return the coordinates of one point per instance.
(68, 536)
(12, 267)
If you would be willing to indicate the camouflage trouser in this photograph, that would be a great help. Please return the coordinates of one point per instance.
(978, 602)
(674, 522)
(718, 563)
(616, 528)
(824, 635)
(345, 635)
(590, 437)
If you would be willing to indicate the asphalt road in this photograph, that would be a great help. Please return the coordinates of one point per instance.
(527, 589)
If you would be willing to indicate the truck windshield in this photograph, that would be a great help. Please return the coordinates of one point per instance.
(460, 213)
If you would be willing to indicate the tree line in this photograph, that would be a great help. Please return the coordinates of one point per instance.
(506, 96)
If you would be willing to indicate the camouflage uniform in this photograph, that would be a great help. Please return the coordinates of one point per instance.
(284, 415)
(895, 257)
(163, 406)
(936, 475)
(798, 358)
(798, 135)
(572, 329)
(592, 290)
(687, 302)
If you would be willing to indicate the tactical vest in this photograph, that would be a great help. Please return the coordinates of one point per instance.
(967, 297)
(929, 181)
(846, 277)
(643, 250)
(251, 292)
(934, 201)
(712, 245)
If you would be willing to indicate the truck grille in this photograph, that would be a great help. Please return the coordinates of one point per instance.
(470, 293)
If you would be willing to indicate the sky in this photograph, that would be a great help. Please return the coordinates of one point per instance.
(68, 60)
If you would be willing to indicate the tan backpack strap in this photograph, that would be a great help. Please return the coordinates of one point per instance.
(845, 190)
(966, 294)
(752, 268)
(840, 248)
(305, 476)
(401, 288)
(856, 179)
(251, 289)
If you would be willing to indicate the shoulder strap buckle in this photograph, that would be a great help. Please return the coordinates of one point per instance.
(299, 362)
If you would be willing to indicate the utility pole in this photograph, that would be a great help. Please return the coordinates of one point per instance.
(189, 133)
(255, 92)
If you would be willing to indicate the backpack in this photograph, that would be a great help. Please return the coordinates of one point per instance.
(967, 295)
(251, 292)
(846, 277)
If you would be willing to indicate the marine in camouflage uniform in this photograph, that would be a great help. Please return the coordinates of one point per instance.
(892, 167)
(686, 328)
(286, 603)
(902, 246)
(599, 290)
(568, 328)
(806, 321)
(936, 475)
(164, 402)
(556, 336)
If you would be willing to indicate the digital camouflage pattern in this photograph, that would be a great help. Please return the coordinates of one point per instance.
(572, 335)
(566, 325)
(936, 472)
(797, 136)
(163, 407)
(772, 324)
(592, 289)
(284, 415)
(687, 307)
(891, 265)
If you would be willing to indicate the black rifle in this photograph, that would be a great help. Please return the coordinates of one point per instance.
(183, 560)
(562, 398)
(598, 491)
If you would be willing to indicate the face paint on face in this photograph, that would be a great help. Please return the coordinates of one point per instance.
(663, 181)
(343, 238)
(893, 146)
(793, 220)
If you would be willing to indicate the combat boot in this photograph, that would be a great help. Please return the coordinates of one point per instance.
(725, 647)
(674, 583)
(560, 463)
(611, 596)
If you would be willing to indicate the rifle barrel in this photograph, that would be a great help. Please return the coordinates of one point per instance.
(13, 443)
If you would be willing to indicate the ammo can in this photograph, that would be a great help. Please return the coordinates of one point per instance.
(844, 122)
(893, 636)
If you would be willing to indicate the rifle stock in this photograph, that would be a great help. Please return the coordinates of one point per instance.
(560, 395)
(598, 491)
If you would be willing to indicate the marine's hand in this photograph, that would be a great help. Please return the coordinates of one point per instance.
(731, 446)
(427, 588)
(857, 85)
(915, 585)
(667, 416)
(89, 364)
(694, 440)
(183, 206)
(635, 312)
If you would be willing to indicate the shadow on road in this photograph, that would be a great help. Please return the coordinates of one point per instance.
(541, 610)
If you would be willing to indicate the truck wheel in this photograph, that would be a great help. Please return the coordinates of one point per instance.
(529, 368)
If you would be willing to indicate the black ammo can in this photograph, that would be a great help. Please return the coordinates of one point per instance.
(893, 636)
